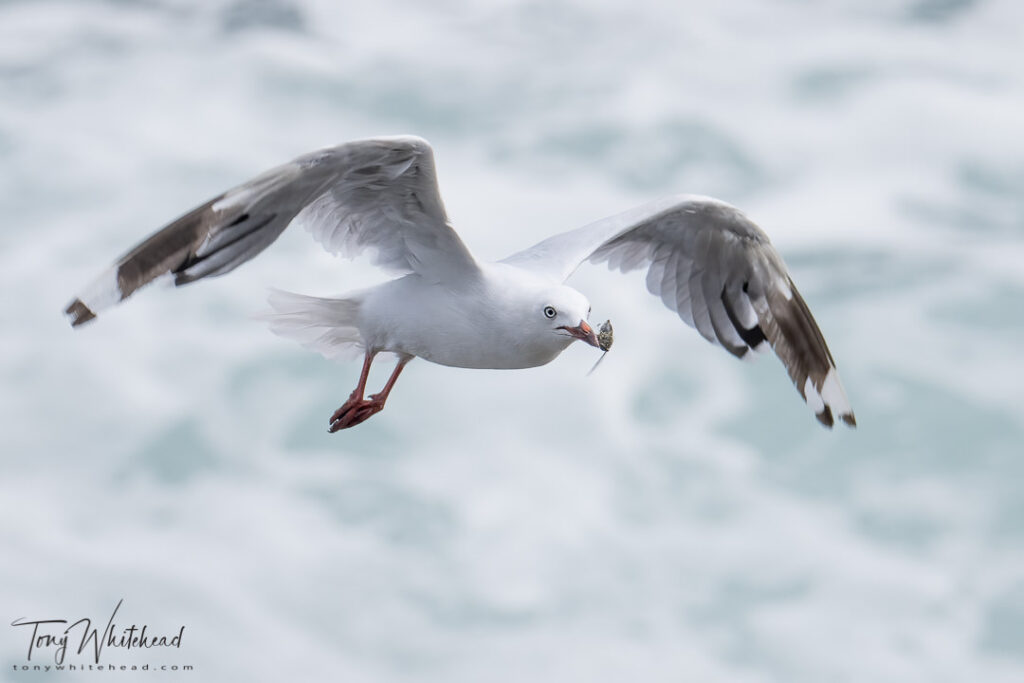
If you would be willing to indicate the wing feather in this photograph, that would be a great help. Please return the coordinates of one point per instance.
(719, 272)
(376, 195)
(656, 272)
(683, 302)
(724, 331)
(667, 288)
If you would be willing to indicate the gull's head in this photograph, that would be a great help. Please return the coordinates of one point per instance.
(561, 312)
(532, 318)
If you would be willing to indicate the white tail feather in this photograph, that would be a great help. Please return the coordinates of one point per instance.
(327, 326)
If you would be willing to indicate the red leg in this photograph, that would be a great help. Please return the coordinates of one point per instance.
(358, 409)
(356, 396)
(383, 395)
(357, 393)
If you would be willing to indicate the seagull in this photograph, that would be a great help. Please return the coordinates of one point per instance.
(705, 260)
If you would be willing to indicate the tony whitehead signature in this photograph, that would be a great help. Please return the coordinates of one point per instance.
(55, 635)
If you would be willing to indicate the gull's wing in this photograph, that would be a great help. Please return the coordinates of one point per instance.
(715, 268)
(379, 194)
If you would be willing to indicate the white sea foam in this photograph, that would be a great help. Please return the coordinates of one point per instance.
(677, 515)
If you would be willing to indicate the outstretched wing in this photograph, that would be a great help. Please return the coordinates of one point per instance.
(715, 268)
(378, 194)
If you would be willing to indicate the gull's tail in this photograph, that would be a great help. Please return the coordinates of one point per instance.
(327, 326)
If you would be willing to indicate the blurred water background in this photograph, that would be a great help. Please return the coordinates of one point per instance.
(678, 515)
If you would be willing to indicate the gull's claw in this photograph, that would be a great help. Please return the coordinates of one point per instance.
(353, 401)
(355, 412)
(357, 409)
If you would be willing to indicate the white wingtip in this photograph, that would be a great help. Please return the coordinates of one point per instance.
(814, 400)
(99, 295)
(833, 393)
(103, 292)
(830, 400)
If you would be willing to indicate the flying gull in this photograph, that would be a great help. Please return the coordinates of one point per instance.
(704, 258)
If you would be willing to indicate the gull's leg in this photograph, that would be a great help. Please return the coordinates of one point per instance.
(383, 395)
(357, 409)
(356, 397)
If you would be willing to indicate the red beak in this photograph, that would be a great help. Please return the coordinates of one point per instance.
(584, 332)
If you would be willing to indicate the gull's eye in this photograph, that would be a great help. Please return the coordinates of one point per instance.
(550, 312)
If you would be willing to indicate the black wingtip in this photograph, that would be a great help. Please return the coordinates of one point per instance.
(78, 313)
(825, 417)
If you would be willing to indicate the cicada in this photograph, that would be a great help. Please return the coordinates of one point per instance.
(604, 341)
(604, 336)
